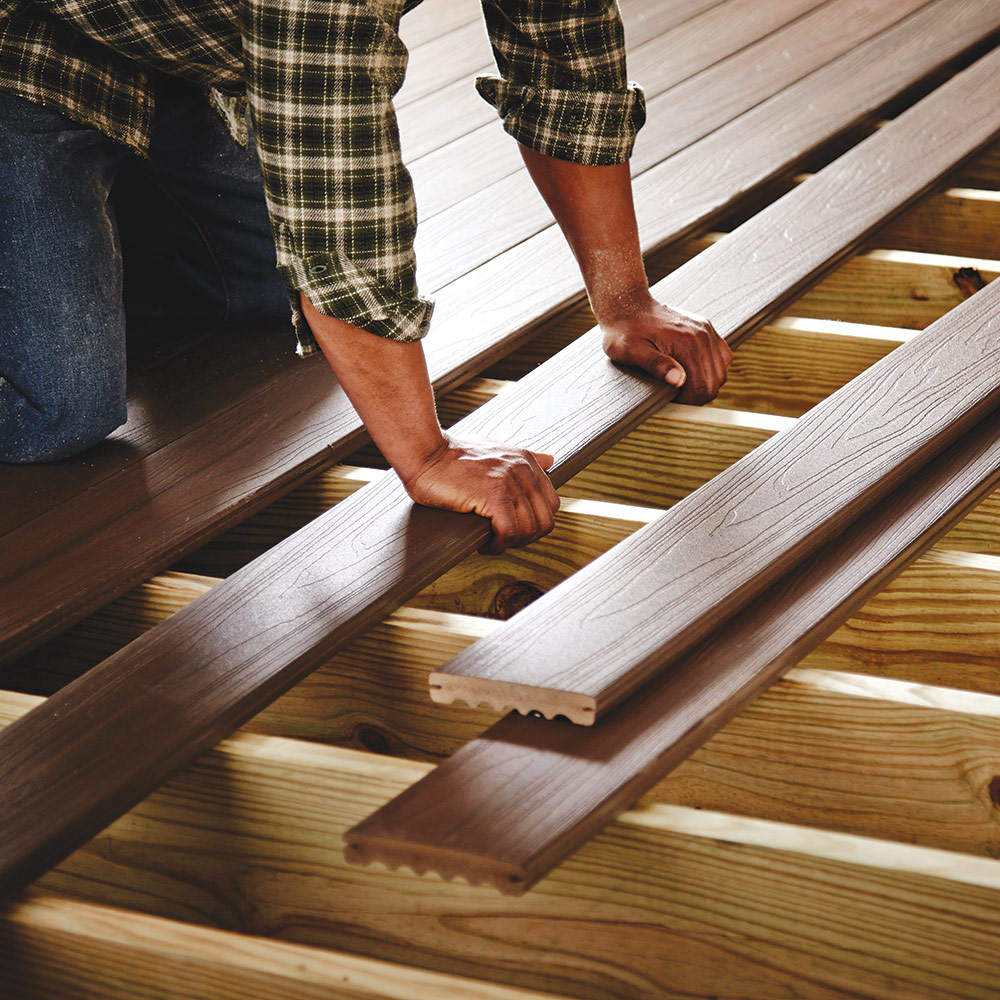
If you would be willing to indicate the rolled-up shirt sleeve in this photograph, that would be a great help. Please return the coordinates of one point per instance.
(562, 88)
(320, 81)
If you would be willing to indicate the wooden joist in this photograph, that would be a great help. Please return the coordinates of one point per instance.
(508, 807)
(235, 461)
(204, 672)
(250, 837)
(53, 948)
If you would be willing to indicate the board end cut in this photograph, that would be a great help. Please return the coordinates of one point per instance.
(364, 848)
(503, 696)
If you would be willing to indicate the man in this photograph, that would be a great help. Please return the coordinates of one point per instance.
(107, 141)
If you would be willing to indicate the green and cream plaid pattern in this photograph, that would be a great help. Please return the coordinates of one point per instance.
(319, 77)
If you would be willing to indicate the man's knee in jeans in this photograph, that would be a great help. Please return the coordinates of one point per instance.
(44, 430)
(62, 373)
(62, 323)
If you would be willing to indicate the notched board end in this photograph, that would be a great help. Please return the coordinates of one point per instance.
(503, 696)
(421, 859)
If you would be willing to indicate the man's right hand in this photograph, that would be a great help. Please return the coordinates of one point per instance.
(388, 384)
(507, 485)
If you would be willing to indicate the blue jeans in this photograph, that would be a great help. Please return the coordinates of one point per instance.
(90, 232)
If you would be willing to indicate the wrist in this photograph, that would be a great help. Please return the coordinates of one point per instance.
(411, 454)
(617, 305)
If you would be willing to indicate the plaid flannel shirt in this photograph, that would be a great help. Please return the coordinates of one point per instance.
(319, 77)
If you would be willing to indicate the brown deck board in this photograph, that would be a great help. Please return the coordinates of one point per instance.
(198, 676)
(726, 880)
(567, 654)
(509, 806)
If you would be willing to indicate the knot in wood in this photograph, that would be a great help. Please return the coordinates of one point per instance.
(513, 597)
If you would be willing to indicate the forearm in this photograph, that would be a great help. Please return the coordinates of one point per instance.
(594, 209)
(387, 383)
(593, 206)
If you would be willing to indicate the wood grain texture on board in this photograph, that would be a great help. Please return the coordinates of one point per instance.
(151, 499)
(197, 677)
(52, 948)
(509, 806)
(455, 110)
(249, 837)
(441, 177)
(588, 643)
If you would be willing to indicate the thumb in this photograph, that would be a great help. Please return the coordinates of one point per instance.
(544, 460)
(650, 358)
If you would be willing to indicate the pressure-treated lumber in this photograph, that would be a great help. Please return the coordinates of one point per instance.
(838, 751)
(214, 664)
(235, 463)
(250, 837)
(507, 808)
(60, 949)
(793, 363)
(962, 221)
(896, 288)
(983, 172)
(915, 631)
(81, 646)
(799, 905)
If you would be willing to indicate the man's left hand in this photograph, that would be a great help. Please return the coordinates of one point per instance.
(679, 347)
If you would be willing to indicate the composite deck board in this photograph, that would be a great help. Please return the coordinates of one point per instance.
(201, 674)
(592, 640)
(508, 807)
(441, 176)
(163, 502)
(580, 650)
(831, 908)
(431, 20)
(455, 110)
